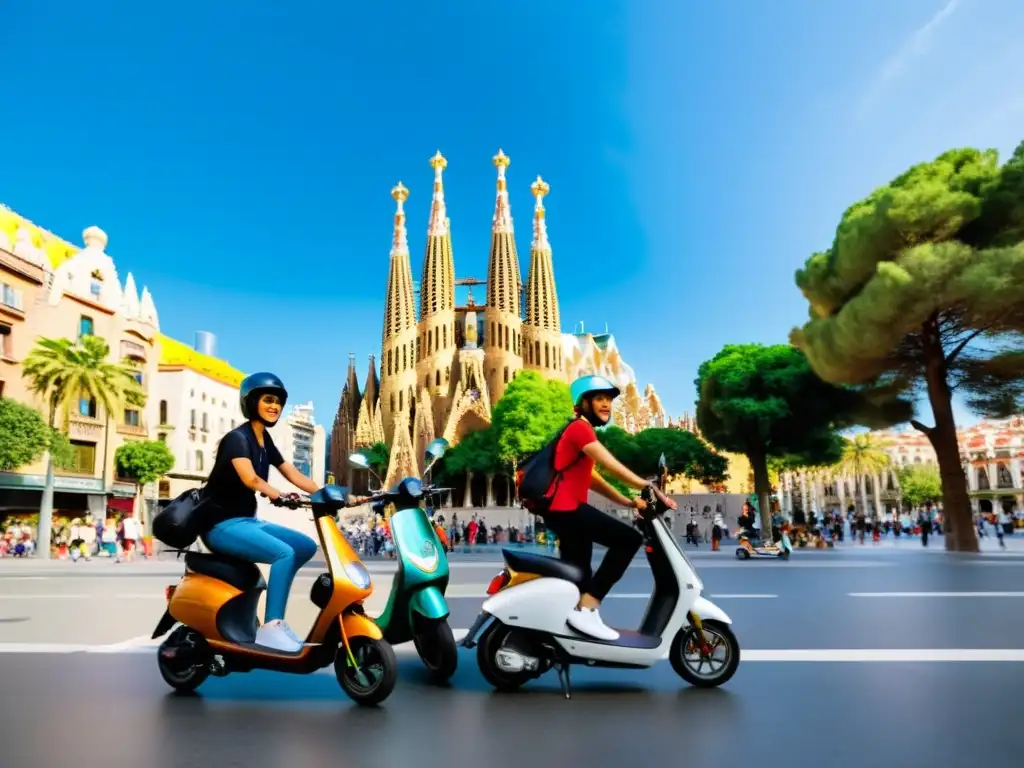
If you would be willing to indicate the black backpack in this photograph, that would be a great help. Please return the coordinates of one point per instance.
(537, 478)
(178, 524)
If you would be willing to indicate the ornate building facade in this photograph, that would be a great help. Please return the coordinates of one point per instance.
(992, 454)
(443, 368)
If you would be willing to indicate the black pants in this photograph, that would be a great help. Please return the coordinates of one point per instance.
(579, 531)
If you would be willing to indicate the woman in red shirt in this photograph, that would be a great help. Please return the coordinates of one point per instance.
(577, 524)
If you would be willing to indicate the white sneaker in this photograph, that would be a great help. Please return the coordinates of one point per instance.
(277, 636)
(294, 636)
(588, 621)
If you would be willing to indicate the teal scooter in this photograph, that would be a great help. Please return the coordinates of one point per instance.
(416, 609)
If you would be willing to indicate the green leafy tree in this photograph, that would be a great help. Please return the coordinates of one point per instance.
(765, 401)
(530, 412)
(684, 453)
(145, 461)
(919, 484)
(922, 289)
(26, 436)
(379, 456)
(61, 372)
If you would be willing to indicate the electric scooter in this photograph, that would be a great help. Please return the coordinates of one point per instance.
(523, 632)
(746, 548)
(416, 609)
(214, 607)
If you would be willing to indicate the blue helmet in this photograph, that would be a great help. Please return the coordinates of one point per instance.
(256, 385)
(591, 385)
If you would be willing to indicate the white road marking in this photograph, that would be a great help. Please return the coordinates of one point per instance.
(935, 594)
(145, 645)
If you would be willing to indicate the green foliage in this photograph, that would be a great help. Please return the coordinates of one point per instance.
(62, 371)
(927, 269)
(61, 450)
(25, 435)
(919, 484)
(379, 456)
(684, 453)
(528, 415)
(145, 460)
(922, 289)
(477, 452)
(765, 401)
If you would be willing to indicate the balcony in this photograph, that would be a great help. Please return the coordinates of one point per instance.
(135, 430)
(133, 350)
(84, 428)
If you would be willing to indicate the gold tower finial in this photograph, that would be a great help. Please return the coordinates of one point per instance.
(400, 194)
(501, 160)
(539, 188)
(438, 161)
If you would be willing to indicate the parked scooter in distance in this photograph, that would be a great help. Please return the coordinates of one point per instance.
(214, 607)
(523, 631)
(746, 548)
(416, 609)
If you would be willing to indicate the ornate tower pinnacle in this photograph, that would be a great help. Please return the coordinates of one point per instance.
(502, 316)
(398, 345)
(438, 224)
(540, 188)
(502, 221)
(400, 241)
(542, 337)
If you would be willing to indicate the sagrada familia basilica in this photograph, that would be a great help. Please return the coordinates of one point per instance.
(443, 365)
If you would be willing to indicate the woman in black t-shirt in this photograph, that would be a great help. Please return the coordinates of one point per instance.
(228, 508)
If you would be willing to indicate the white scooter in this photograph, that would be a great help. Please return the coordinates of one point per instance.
(523, 631)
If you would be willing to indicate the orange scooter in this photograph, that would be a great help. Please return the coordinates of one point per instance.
(214, 606)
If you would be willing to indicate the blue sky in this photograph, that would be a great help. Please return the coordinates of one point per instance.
(240, 155)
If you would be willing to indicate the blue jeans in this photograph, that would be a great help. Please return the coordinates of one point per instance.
(257, 541)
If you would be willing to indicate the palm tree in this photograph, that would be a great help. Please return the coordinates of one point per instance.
(61, 372)
(863, 456)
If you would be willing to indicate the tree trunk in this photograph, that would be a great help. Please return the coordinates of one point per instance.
(763, 489)
(45, 525)
(956, 504)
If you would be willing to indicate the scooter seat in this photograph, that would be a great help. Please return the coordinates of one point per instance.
(524, 562)
(238, 573)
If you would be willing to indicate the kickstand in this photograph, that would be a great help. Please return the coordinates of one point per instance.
(563, 678)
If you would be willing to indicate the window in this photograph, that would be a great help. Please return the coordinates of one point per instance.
(96, 284)
(162, 437)
(10, 296)
(87, 407)
(437, 378)
(86, 326)
(206, 423)
(84, 458)
(163, 411)
(506, 374)
(6, 342)
(232, 423)
(221, 424)
(199, 461)
(204, 397)
(192, 418)
(131, 417)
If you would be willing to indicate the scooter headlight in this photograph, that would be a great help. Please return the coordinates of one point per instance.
(358, 574)
(426, 559)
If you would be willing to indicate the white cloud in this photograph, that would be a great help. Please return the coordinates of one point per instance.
(915, 46)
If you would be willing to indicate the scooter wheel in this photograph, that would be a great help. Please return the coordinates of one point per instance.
(183, 677)
(374, 675)
(697, 670)
(436, 646)
(487, 659)
(742, 554)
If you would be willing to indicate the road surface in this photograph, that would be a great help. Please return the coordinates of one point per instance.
(850, 658)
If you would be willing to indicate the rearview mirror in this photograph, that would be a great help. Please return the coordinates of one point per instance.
(436, 449)
(359, 461)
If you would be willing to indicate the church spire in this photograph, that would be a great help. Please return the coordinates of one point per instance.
(503, 276)
(541, 294)
(399, 312)
(437, 288)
